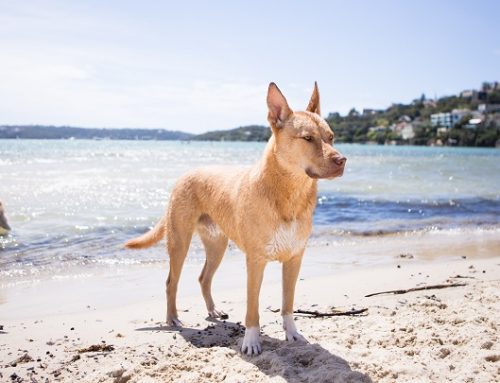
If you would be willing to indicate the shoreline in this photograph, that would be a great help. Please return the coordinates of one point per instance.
(327, 252)
(208, 141)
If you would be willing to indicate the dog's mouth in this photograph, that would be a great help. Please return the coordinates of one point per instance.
(331, 174)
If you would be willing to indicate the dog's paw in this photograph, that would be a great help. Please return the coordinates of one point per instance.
(217, 314)
(251, 342)
(294, 336)
(291, 333)
(174, 322)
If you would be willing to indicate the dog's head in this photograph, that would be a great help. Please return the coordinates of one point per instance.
(303, 140)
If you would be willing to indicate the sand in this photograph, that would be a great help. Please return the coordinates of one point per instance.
(426, 336)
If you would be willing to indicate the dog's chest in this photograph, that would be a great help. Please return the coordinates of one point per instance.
(288, 240)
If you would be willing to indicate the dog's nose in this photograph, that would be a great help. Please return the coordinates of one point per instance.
(339, 160)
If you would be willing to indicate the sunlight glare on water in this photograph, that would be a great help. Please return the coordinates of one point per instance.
(76, 202)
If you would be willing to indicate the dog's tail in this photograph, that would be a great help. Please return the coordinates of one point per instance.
(150, 238)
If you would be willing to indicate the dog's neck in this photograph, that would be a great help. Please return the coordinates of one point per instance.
(293, 192)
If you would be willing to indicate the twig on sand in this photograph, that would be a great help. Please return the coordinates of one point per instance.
(22, 359)
(463, 276)
(317, 314)
(273, 310)
(430, 287)
(96, 348)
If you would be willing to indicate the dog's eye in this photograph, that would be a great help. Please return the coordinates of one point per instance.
(307, 138)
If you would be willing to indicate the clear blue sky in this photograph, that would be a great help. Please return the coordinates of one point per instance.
(198, 66)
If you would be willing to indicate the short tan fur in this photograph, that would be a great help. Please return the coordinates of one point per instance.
(266, 210)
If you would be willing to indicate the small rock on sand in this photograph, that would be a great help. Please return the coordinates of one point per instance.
(492, 358)
(443, 353)
(26, 358)
(487, 345)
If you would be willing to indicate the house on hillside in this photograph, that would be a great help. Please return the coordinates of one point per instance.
(449, 120)
(474, 123)
(371, 112)
(404, 128)
(407, 131)
(488, 108)
(468, 93)
(377, 129)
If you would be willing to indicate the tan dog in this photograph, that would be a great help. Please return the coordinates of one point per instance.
(4, 226)
(266, 210)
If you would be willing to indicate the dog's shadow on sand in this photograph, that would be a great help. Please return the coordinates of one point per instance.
(295, 362)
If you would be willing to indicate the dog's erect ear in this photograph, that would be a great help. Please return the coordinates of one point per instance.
(314, 101)
(279, 110)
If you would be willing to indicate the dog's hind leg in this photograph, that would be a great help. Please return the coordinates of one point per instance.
(215, 243)
(179, 233)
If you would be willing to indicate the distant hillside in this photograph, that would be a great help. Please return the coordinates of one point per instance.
(475, 114)
(244, 133)
(66, 132)
(471, 118)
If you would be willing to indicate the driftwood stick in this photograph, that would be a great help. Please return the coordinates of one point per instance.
(430, 287)
(273, 310)
(317, 314)
(463, 276)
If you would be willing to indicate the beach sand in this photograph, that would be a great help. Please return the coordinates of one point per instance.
(425, 336)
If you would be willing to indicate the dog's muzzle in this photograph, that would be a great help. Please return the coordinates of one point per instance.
(335, 170)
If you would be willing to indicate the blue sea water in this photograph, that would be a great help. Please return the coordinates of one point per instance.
(75, 202)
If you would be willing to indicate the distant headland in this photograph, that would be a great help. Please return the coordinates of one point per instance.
(470, 118)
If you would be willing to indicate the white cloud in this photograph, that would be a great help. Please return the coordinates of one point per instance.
(56, 67)
(63, 66)
(51, 90)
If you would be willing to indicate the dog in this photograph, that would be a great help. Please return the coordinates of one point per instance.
(266, 210)
(4, 226)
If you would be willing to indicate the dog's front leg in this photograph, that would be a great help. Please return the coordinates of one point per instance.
(291, 270)
(255, 273)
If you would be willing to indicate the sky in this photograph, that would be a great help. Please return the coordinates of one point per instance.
(197, 66)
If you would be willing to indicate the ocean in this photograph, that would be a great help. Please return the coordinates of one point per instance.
(73, 203)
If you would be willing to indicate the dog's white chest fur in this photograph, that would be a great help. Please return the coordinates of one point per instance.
(285, 240)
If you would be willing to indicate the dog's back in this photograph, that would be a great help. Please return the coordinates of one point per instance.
(210, 191)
